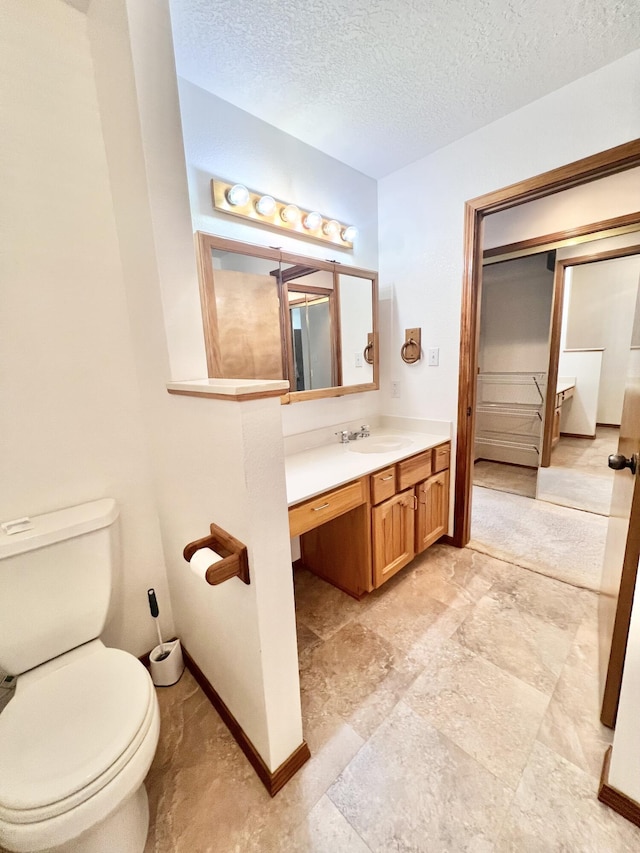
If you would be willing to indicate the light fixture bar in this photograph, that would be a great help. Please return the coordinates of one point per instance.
(274, 213)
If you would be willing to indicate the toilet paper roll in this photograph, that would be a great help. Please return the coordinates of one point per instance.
(202, 559)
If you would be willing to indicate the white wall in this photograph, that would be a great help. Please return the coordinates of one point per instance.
(516, 315)
(213, 461)
(70, 411)
(226, 142)
(600, 313)
(422, 209)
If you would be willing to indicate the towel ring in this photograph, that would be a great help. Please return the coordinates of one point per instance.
(403, 351)
(368, 353)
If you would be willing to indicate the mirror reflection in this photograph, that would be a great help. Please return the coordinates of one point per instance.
(271, 315)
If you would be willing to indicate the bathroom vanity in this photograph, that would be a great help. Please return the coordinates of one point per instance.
(365, 510)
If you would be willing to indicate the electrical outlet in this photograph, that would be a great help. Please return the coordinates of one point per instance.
(395, 388)
(434, 357)
(358, 359)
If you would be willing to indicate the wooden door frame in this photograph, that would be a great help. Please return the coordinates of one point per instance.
(556, 328)
(608, 162)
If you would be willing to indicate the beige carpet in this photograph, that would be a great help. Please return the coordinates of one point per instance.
(562, 543)
(577, 489)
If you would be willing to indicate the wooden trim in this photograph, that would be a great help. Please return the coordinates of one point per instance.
(512, 464)
(556, 329)
(560, 236)
(616, 800)
(610, 426)
(583, 349)
(577, 435)
(446, 540)
(238, 398)
(272, 780)
(582, 171)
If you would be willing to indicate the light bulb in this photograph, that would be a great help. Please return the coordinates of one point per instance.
(291, 214)
(266, 205)
(331, 228)
(349, 234)
(238, 195)
(312, 221)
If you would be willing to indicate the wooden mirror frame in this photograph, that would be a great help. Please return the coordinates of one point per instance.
(205, 243)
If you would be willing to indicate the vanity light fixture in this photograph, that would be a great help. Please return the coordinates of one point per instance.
(271, 212)
(266, 205)
(238, 195)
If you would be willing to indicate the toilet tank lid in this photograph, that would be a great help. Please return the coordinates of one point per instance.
(59, 525)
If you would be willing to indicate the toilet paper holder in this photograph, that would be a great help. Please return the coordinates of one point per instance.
(235, 562)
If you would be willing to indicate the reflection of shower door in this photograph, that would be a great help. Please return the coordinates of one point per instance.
(311, 337)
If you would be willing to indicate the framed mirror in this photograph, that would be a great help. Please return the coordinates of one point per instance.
(268, 314)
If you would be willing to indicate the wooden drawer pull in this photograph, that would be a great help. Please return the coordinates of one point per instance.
(390, 477)
(318, 508)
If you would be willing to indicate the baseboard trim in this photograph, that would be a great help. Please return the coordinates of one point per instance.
(500, 462)
(297, 565)
(447, 540)
(578, 435)
(615, 799)
(274, 780)
(611, 426)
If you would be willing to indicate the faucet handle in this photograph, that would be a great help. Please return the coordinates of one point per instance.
(364, 429)
(344, 436)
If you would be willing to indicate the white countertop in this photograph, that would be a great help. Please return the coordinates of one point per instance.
(313, 472)
(564, 385)
(228, 387)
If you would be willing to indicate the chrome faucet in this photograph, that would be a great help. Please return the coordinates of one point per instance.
(352, 435)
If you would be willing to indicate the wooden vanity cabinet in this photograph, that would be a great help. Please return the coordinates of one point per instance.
(432, 511)
(393, 531)
(357, 537)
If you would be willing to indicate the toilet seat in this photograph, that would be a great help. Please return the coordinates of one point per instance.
(86, 732)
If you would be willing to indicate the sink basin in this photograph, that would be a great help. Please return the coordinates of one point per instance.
(379, 444)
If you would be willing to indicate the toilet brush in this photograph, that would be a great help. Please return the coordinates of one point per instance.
(155, 612)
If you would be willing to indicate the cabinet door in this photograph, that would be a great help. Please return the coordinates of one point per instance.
(432, 517)
(393, 535)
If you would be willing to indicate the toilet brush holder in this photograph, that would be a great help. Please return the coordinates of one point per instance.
(167, 664)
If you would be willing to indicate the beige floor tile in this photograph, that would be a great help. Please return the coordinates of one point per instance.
(356, 675)
(486, 711)
(550, 600)
(455, 577)
(520, 643)
(323, 830)
(322, 607)
(411, 789)
(571, 725)
(556, 810)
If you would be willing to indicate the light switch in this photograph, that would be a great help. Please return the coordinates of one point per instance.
(434, 357)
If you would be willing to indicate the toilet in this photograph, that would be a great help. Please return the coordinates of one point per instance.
(79, 735)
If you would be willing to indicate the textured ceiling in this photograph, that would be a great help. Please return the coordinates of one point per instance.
(381, 83)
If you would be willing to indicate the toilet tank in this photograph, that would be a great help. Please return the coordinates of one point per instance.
(55, 583)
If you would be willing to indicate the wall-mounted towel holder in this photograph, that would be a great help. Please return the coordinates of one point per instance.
(411, 350)
(368, 350)
(235, 562)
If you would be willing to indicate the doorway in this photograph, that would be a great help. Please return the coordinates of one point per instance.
(609, 162)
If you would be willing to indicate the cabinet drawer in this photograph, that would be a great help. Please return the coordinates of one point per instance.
(441, 457)
(314, 512)
(414, 469)
(383, 484)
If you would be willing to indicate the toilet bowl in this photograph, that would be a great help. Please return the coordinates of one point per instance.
(79, 735)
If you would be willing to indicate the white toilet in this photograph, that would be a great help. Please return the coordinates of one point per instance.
(79, 736)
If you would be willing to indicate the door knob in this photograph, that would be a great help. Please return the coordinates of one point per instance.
(619, 462)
